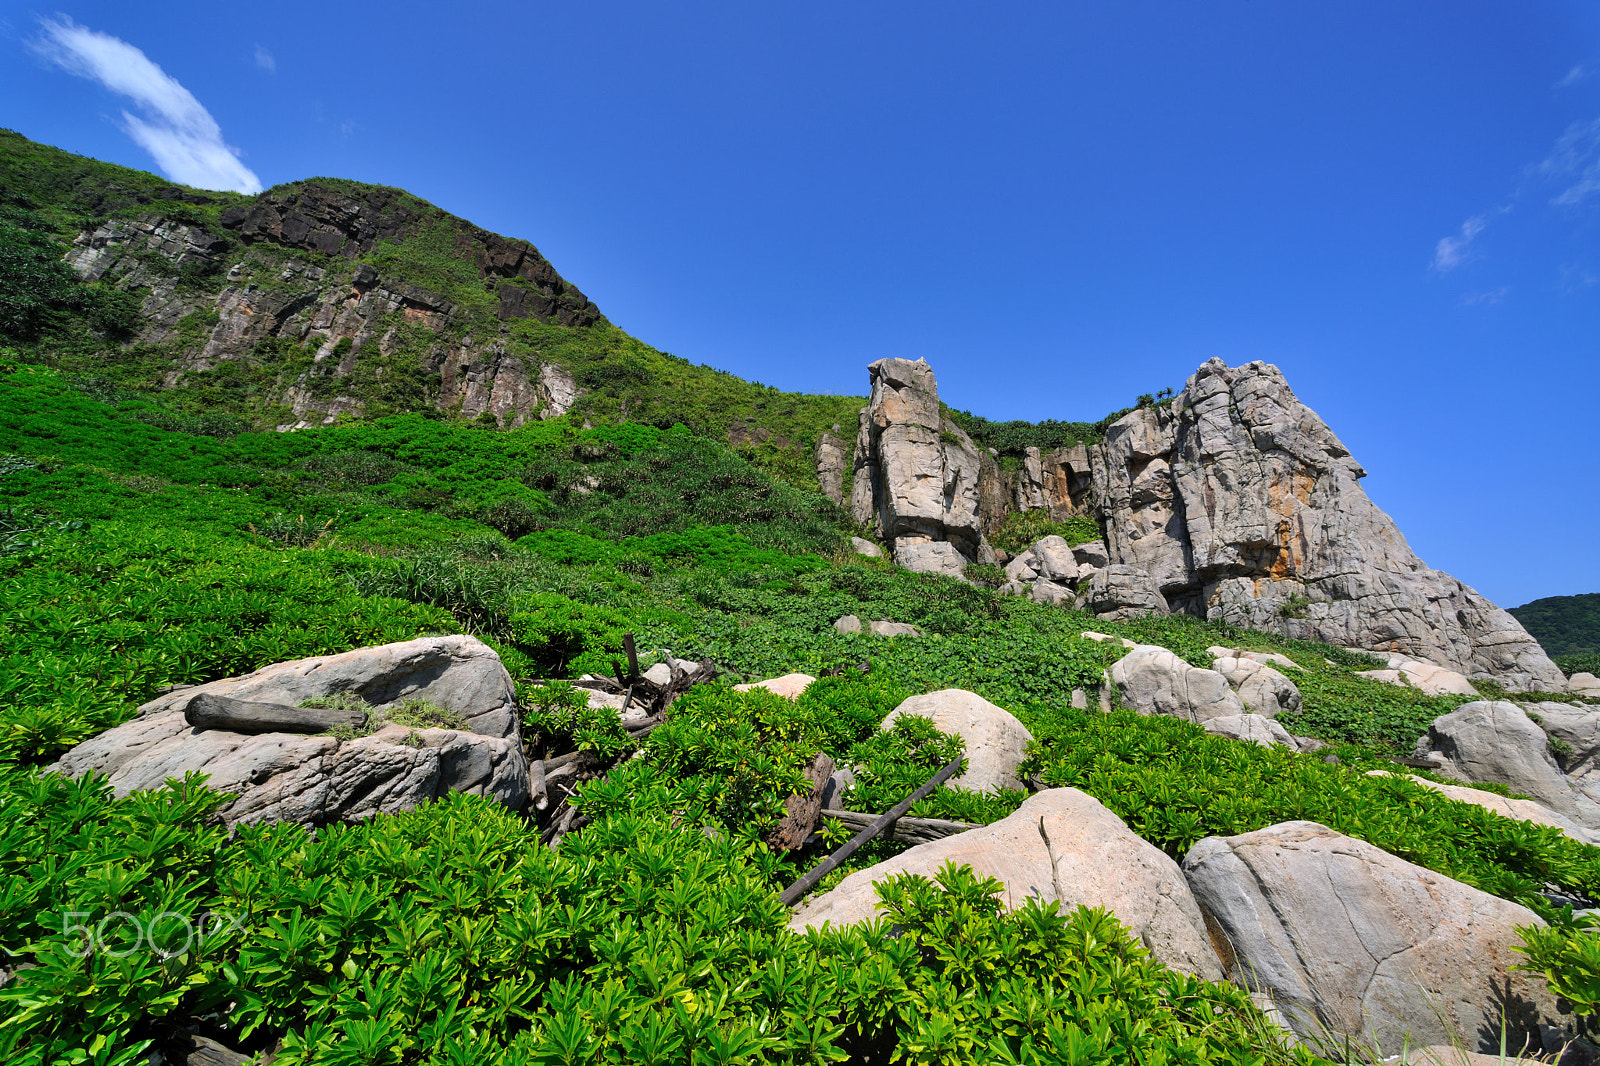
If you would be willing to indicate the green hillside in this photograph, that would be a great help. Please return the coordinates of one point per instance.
(153, 536)
(1568, 627)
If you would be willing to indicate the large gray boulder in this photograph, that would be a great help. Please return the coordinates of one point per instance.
(916, 472)
(459, 673)
(1577, 729)
(1244, 507)
(1348, 940)
(1252, 728)
(1099, 862)
(285, 776)
(1119, 592)
(314, 780)
(1261, 689)
(1152, 680)
(1053, 560)
(930, 557)
(1495, 741)
(996, 743)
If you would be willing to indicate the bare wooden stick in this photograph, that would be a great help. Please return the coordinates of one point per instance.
(536, 787)
(796, 892)
(907, 829)
(633, 656)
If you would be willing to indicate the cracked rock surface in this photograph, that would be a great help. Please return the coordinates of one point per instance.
(1348, 939)
(321, 779)
(1100, 862)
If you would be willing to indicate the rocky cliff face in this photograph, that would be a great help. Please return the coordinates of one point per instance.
(1245, 507)
(217, 306)
(1235, 501)
(916, 473)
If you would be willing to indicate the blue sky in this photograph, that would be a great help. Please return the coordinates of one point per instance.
(1059, 206)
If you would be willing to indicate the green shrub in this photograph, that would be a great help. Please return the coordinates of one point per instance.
(1021, 529)
(567, 637)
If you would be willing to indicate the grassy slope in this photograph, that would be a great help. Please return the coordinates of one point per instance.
(1564, 625)
(144, 543)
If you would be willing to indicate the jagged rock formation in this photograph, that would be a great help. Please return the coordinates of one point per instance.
(1233, 502)
(916, 472)
(831, 462)
(315, 217)
(360, 323)
(1245, 507)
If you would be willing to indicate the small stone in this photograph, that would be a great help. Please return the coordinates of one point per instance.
(847, 624)
(885, 628)
(865, 547)
(789, 686)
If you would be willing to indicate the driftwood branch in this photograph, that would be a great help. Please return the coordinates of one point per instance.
(796, 892)
(207, 711)
(906, 830)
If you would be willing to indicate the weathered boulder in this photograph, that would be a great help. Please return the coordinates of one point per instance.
(915, 472)
(1022, 568)
(1261, 689)
(1099, 862)
(1517, 809)
(1053, 560)
(1495, 741)
(1430, 679)
(1577, 729)
(1047, 591)
(1093, 555)
(830, 462)
(1584, 684)
(996, 742)
(459, 673)
(863, 546)
(883, 627)
(931, 557)
(1268, 658)
(1244, 507)
(1152, 680)
(1255, 728)
(789, 686)
(847, 623)
(1119, 592)
(1348, 940)
(315, 780)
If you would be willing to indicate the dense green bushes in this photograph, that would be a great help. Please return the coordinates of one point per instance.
(93, 621)
(1564, 625)
(448, 936)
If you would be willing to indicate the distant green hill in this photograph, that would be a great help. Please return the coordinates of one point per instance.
(1566, 626)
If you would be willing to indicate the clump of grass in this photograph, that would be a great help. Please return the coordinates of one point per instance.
(415, 713)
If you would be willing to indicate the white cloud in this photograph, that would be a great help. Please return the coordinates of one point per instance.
(1574, 76)
(1452, 251)
(1480, 299)
(182, 136)
(1575, 159)
(265, 61)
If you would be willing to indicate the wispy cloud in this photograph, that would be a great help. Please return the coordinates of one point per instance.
(1484, 299)
(1454, 250)
(1575, 162)
(265, 61)
(1574, 76)
(175, 129)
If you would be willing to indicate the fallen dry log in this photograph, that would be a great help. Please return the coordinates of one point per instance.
(906, 830)
(797, 891)
(208, 711)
